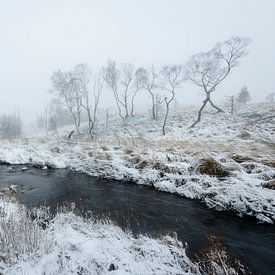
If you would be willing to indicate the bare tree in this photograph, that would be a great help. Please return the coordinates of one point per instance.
(127, 76)
(111, 77)
(77, 96)
(158, 101)
(54, 109)
(172, 78)
(98, 83)
(66, 86)
(120, 81)
(90, 86)
(140, 80)
(151, 85)
(208, 69)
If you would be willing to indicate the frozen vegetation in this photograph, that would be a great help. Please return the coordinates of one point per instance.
(32, 243)
(67, 104)
(226, 161)
(72, 245)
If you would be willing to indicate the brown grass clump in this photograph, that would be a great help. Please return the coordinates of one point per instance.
(270, 163)
(216, 260)
(136, 159)
(241, 159)
(142, 164)
(128, 151)
(104, 148)
(157, 165)
(249, 167)
(211, 167)
(269, 184)
(161, 167)
(170, 150)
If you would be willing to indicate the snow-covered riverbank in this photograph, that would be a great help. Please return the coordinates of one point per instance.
(225, 162)
(73, 245)
(33, 242)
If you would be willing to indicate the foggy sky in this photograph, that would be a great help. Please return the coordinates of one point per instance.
(39, 37)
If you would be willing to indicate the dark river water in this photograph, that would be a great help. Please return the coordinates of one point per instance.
(148, 211)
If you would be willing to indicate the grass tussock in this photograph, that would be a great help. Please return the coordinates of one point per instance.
(270, 163)
(163, 168)
(241, 159)
(269, 184)
(209, 166)
(128, 151)
(100, 155)
(104, 148)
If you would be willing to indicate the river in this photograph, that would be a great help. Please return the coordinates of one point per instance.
(147, 211)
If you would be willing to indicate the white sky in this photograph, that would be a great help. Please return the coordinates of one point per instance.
(39, 37)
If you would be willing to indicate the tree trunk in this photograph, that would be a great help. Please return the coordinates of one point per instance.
(165, 117)
(200, 112)
(75, 123)
(153, 106)
(118, 106)
(132, 103)
(216, 107)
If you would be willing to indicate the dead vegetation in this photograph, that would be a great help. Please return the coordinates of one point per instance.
(249, 167)
(269, 184)
(215, 260)
(270, 163)
(241, 159)
(142, 164)
(100, 155)
(210, 166)
(104, 148)
(20, 234)
(128, 151)
(157, 165)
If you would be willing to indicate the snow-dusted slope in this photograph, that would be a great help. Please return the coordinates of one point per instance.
(242, 145)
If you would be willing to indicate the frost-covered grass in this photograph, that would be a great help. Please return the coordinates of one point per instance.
(243, 151)
(74, 245)
(34, 243)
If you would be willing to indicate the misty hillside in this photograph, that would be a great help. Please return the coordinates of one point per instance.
(137, 137)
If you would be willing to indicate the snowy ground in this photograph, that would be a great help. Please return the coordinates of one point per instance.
(69, 244)
(241, 148)
(73, 245)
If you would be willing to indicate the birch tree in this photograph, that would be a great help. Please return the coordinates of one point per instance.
(120, 80)
(140, 79)
(172, 78)
(66, 87)
(152, 86)
(90, 85)
(208, 70)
